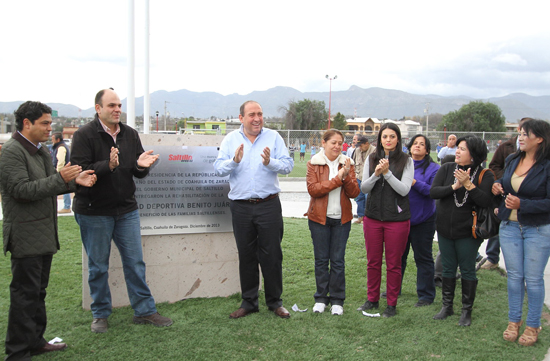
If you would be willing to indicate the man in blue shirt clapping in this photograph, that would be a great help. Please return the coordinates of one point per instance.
(252, 157)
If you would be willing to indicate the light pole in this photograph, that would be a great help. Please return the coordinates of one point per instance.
(157, 113)
(330, 96)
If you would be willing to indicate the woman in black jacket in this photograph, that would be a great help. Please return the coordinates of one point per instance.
(456, 186)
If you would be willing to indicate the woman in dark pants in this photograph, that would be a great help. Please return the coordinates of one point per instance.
(422, 230)
(331, 183)
(456, 186)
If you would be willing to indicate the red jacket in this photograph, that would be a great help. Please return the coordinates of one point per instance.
(319, 186)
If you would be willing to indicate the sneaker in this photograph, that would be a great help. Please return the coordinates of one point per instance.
(337, 310)
(99, 325)
(480, 262)
(389, 312)
(319, 307)
(155, 319)
(368, 305)
(358, 221)
(64, 210)
(489, 265)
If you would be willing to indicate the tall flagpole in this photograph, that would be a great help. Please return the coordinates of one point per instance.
(131, 98)
(146, 96)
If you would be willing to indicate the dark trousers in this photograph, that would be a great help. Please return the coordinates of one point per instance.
(421, 238)
(329, 246)
(27, 314)
(258, 230)
(459, 253)
(493, 249)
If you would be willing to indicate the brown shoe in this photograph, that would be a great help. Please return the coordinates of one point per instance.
(49, 348)
(241, 312)
(489, 265)
(99, 325)
(64, 210)
(155, 319)
(358, 221)
(281, 312)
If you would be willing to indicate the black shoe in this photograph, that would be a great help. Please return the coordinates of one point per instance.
(438, 282)
(465, 318)
(389, 312)
(447, 296)
(368, 305)
(422, 303)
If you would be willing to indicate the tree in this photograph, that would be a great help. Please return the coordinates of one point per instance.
(304, 115)
(339, 122)
(475, 116)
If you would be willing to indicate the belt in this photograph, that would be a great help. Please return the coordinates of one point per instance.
(259, 200)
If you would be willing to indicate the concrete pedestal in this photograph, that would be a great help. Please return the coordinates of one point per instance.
(179, 266)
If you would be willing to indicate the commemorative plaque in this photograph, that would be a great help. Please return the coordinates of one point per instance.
(182, 194)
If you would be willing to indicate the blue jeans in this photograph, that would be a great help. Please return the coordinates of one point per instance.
(421, 238)
(493, 249)
(67, 201)
(124, 230)
(329, 245)
(526, 250)
(360, 200)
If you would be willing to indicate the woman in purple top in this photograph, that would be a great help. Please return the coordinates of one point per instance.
(422, 230)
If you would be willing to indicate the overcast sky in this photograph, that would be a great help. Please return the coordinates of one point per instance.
(65, 51)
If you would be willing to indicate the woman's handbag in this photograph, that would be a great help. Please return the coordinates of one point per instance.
(486, 223)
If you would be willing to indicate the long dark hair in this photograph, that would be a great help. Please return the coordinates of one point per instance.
(427, 158)
(398, 159)
(540, 129)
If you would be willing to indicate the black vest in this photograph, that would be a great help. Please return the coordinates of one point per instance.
(385, 204)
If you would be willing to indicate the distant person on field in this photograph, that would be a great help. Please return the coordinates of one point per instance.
(292, 149)
(29, 186)
(252, 157)
(60, 157)
(352, 148)
(363, 150)
(303, 151)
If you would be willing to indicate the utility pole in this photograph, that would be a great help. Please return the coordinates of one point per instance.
(165, 102)
(427, 111)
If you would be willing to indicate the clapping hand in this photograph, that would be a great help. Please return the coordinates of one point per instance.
(146, 159)
(70, 172)
(344, 171)
(266, 156)
(86, 178)
(382, 167)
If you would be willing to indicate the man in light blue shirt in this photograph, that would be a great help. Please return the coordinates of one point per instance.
(449, 149)
(252, 157)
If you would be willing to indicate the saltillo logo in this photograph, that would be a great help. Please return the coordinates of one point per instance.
(183, 158)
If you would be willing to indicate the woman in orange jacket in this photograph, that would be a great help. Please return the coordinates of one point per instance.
(331, 183)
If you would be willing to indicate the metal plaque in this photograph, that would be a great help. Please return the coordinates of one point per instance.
(182, 194)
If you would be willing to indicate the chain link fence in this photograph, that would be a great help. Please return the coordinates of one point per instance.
(312, 138)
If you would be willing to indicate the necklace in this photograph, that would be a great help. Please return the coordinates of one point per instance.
(466, 193)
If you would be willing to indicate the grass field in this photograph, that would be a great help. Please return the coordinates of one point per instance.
(202, 329)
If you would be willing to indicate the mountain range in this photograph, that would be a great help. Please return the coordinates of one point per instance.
(356, 101)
